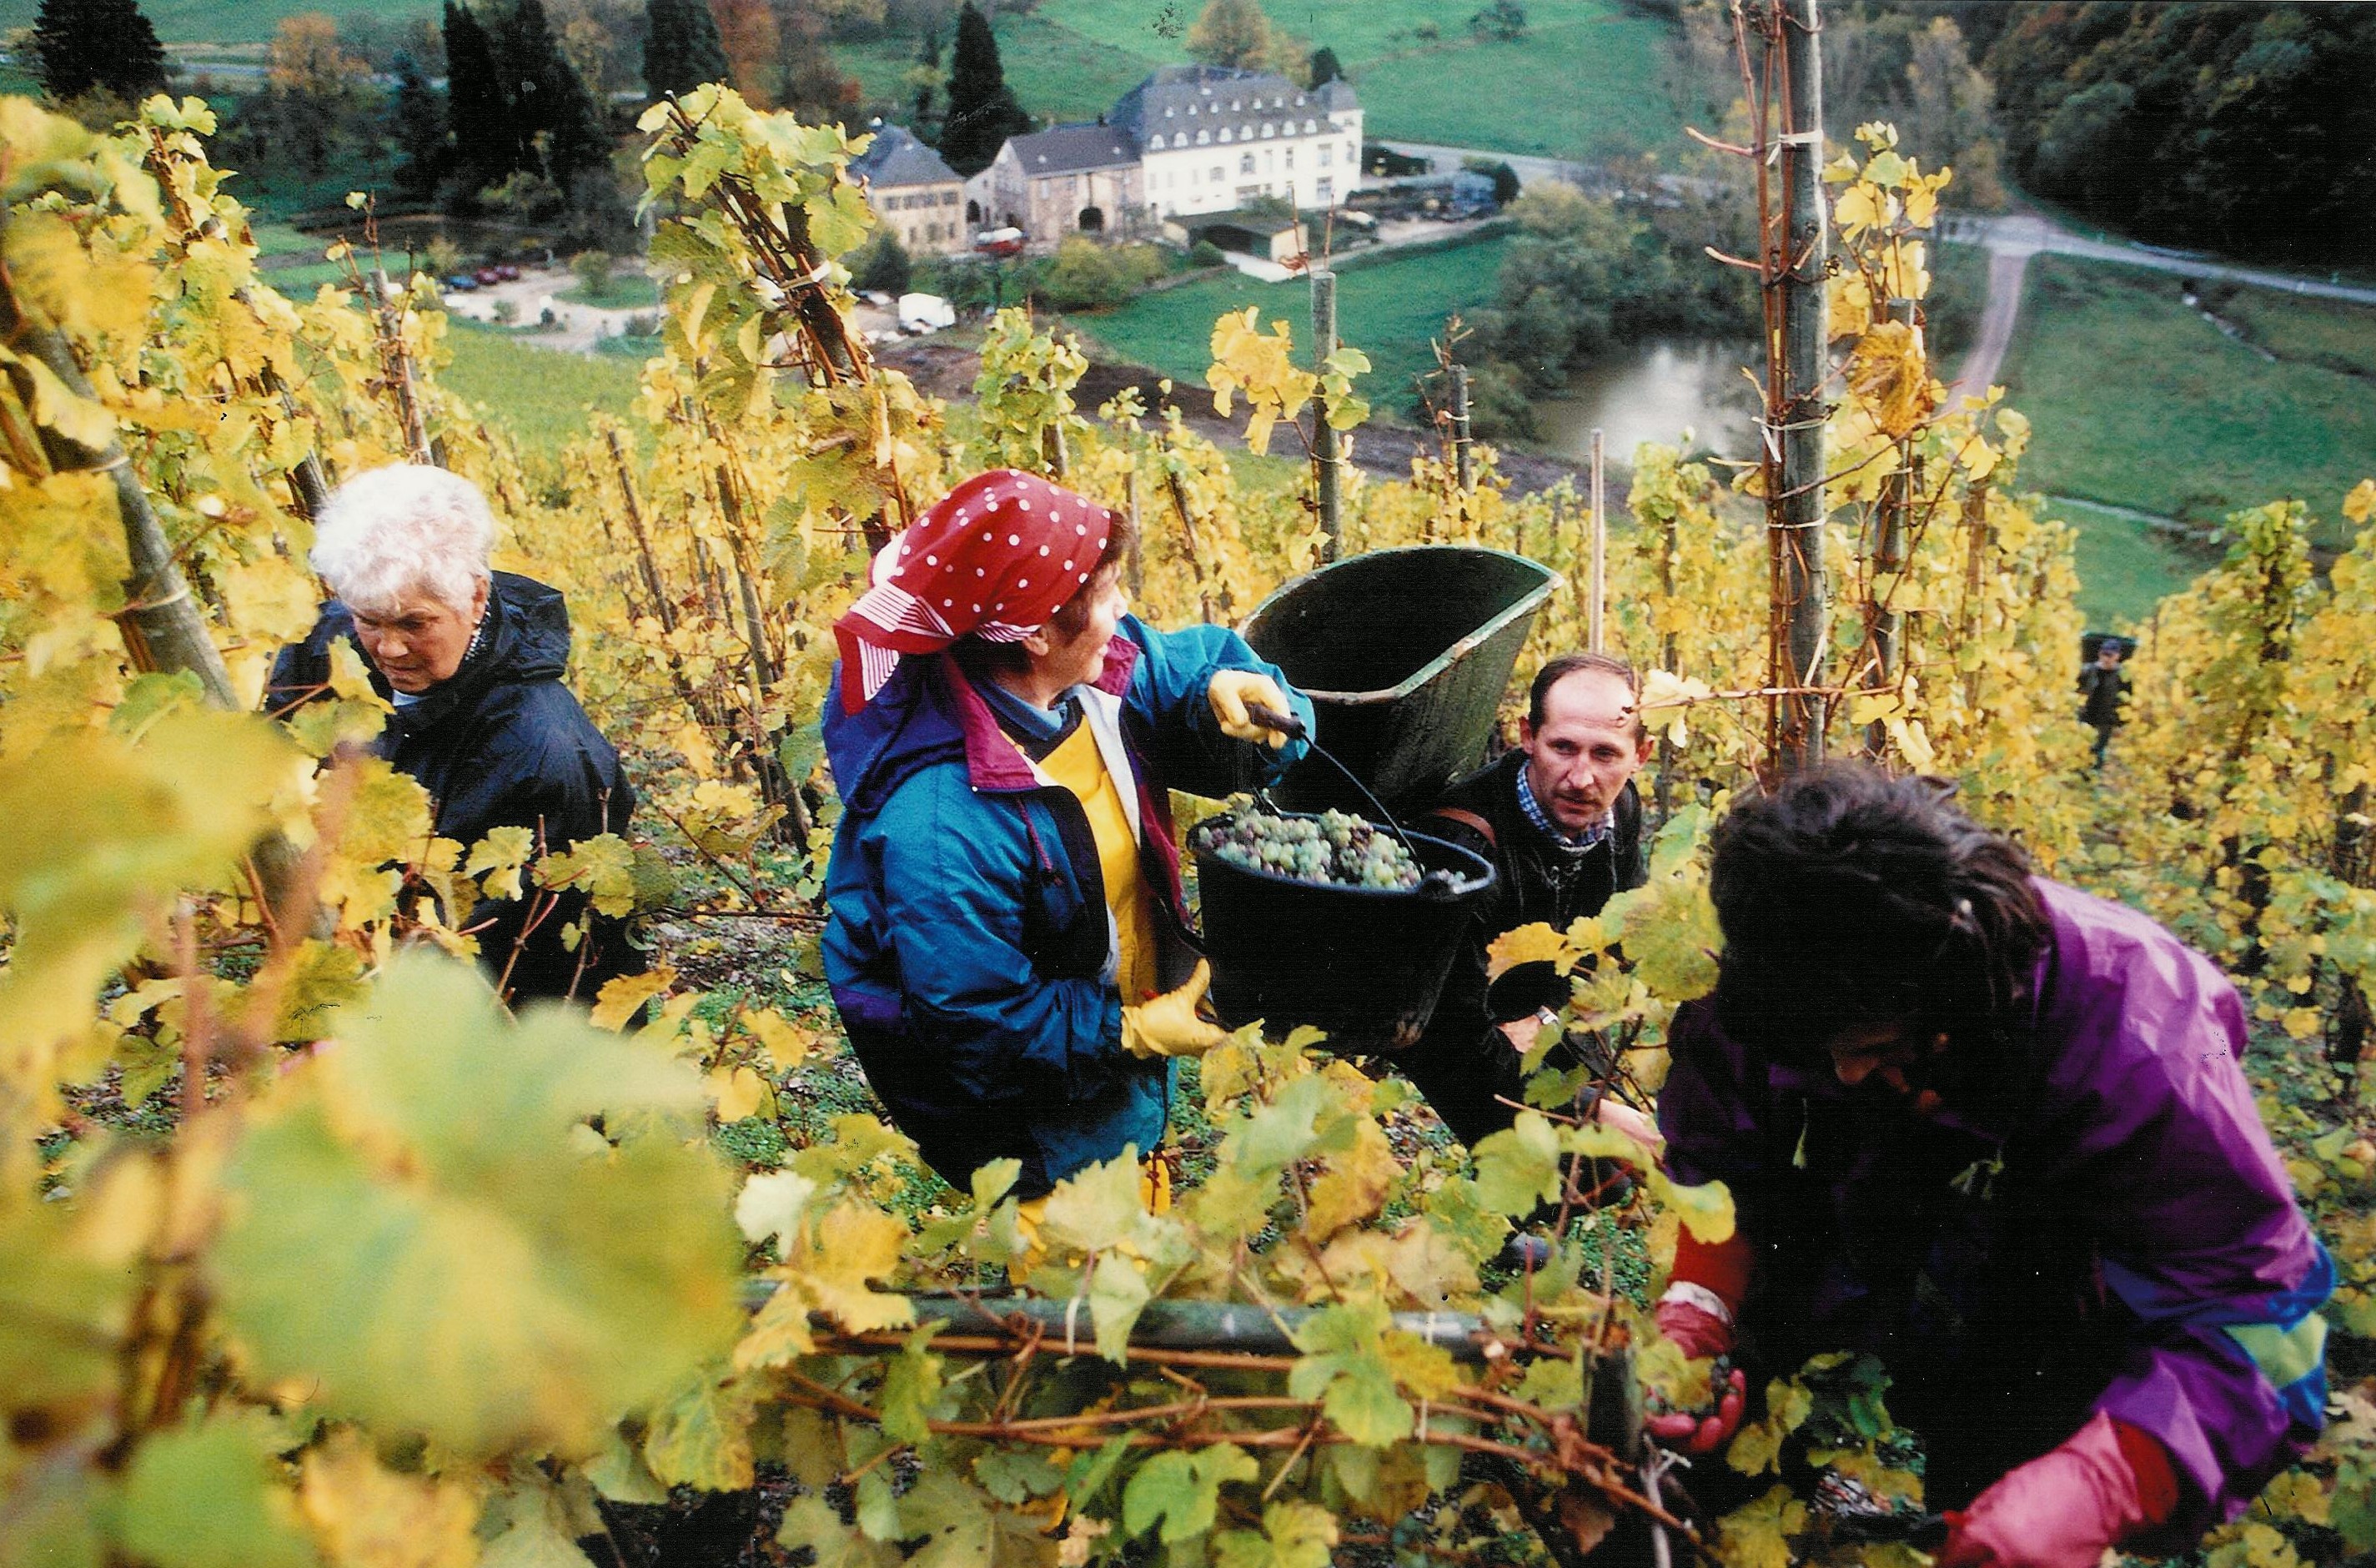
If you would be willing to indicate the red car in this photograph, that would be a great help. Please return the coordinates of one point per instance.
(487, 277)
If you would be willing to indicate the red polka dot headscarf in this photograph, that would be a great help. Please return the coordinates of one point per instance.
(995, 558)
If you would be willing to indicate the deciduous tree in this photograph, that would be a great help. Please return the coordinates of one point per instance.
(1232, 32)
(316, 87)
(753, 46)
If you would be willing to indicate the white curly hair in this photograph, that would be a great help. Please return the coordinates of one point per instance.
(403, 529)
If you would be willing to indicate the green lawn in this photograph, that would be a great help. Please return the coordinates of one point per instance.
(232, 21)
(2137, 400)
(2124, 566)
(539, 395)
(626, 290)
(1389, 309)
(1593, 76)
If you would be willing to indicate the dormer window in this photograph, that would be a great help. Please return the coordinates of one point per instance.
(1169, 111)
(1191, 111)
(1299, 101)
(1203, 137)
(1225, 132)
(1155, 142)
(1269, 130)
(1309, 126)
(1236, 106)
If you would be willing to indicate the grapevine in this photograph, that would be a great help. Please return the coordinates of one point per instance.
(300, 1235)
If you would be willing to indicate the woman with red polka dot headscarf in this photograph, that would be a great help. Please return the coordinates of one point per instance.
(1005, 943)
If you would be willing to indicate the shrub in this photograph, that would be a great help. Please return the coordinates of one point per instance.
(1204, 253)
(881, 266)
(593, 269)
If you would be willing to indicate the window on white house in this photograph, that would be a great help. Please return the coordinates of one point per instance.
(1218, 175)
(1269, 130)
(1155, 142)
(1246, 164)
(1325, 191)
(1289, 159)
(1225, 132)
(1203, 137)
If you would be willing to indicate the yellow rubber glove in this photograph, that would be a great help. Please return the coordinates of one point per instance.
(1230, 693)
(1168, 1025)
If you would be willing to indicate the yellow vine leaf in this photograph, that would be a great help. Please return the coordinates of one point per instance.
(1535, 943)
(1756, 1535)
(366, 1515)
(739, 1092)
(410, 1231)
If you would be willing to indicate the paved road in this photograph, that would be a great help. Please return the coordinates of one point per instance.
(2029, 234)
(2011, 242)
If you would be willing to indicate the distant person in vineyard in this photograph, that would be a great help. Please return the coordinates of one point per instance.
(472, 660)
(1994, 1131)
(1561, 821)
(1006, 942)
(2101, 686)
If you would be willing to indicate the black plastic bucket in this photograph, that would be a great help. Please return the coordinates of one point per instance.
(1365, 964)
(1405, 654)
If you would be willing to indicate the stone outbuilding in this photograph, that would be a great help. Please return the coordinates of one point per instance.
(1070, 179)
(915, 195)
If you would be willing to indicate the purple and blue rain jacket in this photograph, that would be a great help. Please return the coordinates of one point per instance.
(2106, 1210)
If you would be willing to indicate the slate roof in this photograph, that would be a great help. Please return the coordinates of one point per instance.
(897, 159)
(1069, 150)
(1223, 95)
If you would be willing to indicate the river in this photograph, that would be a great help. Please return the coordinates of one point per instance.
(1654, 392)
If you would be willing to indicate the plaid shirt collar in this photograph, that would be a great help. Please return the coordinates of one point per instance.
(1576, 843)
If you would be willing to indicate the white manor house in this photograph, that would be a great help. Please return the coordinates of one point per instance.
(1188, 139)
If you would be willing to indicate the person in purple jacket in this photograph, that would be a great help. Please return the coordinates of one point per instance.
(1994, 1131)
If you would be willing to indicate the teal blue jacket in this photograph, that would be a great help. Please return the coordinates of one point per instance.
(969, 946)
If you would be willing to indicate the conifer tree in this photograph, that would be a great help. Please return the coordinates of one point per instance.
(478, 110)
(555, 121)
(983, 109)
(105, 44)
(681, 46)
(416, 123)
(1325, 68)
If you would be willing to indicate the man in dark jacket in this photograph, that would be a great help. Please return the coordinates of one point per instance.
(1561, 821)
(472, 660)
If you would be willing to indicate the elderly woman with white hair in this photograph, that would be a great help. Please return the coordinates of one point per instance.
(472, 660)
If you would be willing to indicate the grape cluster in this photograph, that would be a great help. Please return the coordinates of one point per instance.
(1331, 848)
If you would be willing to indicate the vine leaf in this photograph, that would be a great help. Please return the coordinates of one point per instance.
(1294, 1534)
(409, 1232)
(1183, 1489)
(203, 1497)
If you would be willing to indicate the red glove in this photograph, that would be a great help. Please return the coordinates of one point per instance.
(1702, 1434)
(2107, 1483)
(1694, 1330)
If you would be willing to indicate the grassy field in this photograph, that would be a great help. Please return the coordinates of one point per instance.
(1388, 309)
(2139, 401)
(1592, 75)
(2124, 566)
(541, 395)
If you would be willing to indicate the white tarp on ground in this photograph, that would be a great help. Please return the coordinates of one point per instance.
(1255, 267)
(928, 310)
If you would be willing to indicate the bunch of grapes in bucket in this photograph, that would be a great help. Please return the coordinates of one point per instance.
(1332, 849)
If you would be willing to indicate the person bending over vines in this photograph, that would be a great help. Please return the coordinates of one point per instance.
(471, 659)
(1005, 943)
(1991, 1130)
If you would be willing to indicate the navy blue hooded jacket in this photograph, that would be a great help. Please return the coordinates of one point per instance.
(500, 743)
(969, 942)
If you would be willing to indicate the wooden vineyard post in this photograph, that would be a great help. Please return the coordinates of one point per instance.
(1328, 448)
(1135, 567)
(1796, 516)
(1179, 493)
(1464, 460)
(1596, 632)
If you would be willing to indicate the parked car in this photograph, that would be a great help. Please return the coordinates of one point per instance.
(487, 277)
(999, 241)
(506, 272)
(460, 283)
